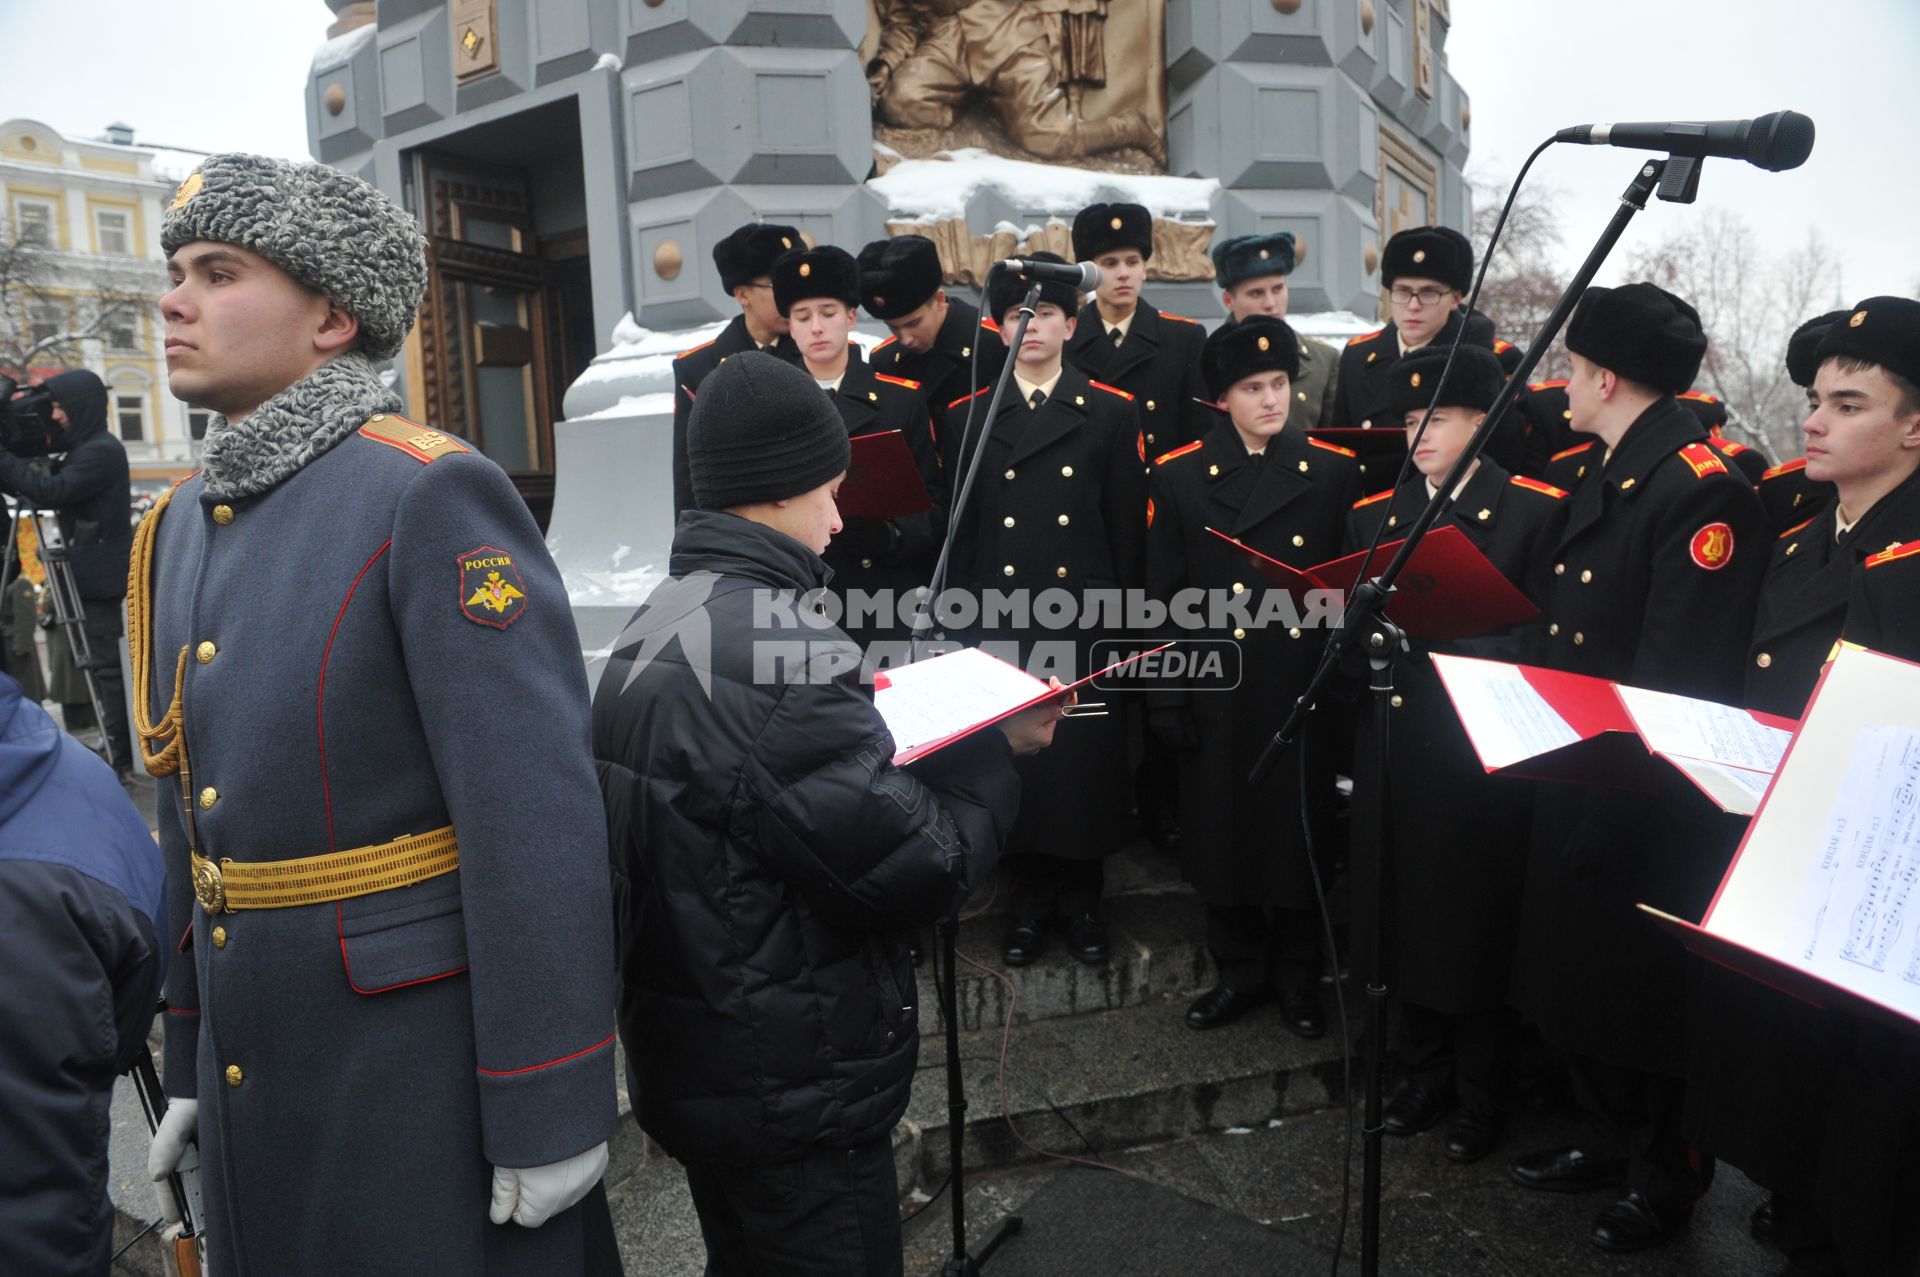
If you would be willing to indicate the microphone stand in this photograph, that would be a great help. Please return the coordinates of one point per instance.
(1364, 623)
(961, 1263)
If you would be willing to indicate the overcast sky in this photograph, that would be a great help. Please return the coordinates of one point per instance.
(228, 74)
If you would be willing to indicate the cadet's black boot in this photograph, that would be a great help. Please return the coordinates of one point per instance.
(1221, 1006)
(1087, 939)
(1023, 941)
(1634, 1223)
(1413, 1108)
(1472, 1133)
(1566, 1170)
(1301, 1012)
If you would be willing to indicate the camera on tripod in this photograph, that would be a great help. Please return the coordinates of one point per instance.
(27, 427)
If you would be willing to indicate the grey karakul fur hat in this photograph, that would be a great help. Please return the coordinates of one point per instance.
(331, 231)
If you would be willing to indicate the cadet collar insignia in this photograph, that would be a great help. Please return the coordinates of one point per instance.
(188, 189)
(1712, 547)
(1891, 553)
(1703, 461)
(491, 591)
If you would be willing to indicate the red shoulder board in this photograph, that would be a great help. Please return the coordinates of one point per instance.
(989, 323)
(897, 381)
(1698, 396)
(418, 442)
(1355, 341)
(1784, 468)
(1796, 527)
(1182, 451)
(1113, 390)
(884, 343)
(975, 395)
(1896, 552)
(1331, 447)
(1167, 314)
(691, 350)
(1730, 447)
(1501, 345)
(1534, 485)
(1382, 495)
(1574, 451)
(1555, 384)
(1703, 460)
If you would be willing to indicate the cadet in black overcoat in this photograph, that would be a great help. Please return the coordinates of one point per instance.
(1763, 1066)
(1459, 835)
(1122, 339)
(1655, 563)
(745, 260)
(1286, 495)
(942, 342)
(1060, 504)
(1427, 271)
(818, 291)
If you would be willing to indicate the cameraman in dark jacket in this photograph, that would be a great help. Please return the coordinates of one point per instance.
(768, 857)
(89, 488)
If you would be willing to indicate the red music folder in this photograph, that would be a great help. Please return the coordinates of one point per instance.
(932, 703)
(1545, 724)
(882, 480)
(1448, 591)
(1815, 902)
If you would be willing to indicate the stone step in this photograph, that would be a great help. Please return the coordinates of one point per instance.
(1156, 947)
(1078, 1085)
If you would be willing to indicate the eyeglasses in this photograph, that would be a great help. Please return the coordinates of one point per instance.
(1425, 296)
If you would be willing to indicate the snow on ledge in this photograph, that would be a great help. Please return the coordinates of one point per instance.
(339, 51)
(941, 188)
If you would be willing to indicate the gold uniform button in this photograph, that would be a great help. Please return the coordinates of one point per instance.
(234, 1076)
(1559, 569)
(206, 652)
(1303, 396)
(1060, 572)
(1763, 660)
(866, 563)
(223, 515)
(1151, 439)
(219, 937)
(1293, 633)
(1008, 521)
(1064, 520)
(1066, 472)
(1554, 629)
(1007, 570)
(1578, 638)
(208, 797)
(1586, 576)
(966, 352)
(1298, 539)
(1009, 474)
(1239, 587)
(1396, 702)
(1150, 407)
(1239, 633)
(378, 416)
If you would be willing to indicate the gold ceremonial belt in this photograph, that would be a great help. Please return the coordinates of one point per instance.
(310, 880)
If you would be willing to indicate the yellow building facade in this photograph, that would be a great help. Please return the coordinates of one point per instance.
(95, 205)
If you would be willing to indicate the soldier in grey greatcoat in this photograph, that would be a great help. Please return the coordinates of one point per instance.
(390, 1000)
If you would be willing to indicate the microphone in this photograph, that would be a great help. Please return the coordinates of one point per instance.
(1776, 142)
(1084, 276)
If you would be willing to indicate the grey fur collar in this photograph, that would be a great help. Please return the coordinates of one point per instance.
(272, 442)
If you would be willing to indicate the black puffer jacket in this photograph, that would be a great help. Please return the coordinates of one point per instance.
(89, 486)
(766, 856)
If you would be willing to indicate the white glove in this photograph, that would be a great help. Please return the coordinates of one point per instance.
(175, 1137)
(532, 1196)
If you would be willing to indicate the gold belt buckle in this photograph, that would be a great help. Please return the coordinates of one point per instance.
(208, 888)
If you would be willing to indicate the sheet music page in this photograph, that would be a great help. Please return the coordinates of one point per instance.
(933, 699)
(1673, 724)
(1735, 789)
(1854, 922)
(1506, 719)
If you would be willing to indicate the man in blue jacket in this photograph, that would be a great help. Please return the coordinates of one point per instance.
(769, 858)
(80, 887)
